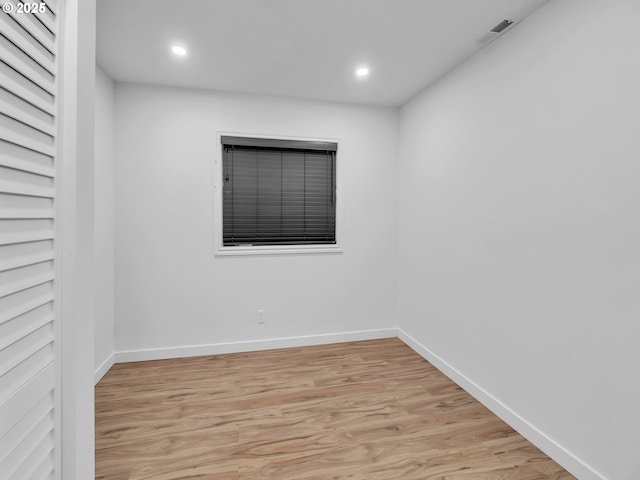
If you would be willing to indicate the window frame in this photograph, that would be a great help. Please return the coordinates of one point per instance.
(243, 250)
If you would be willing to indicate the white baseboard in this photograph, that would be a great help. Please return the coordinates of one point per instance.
(104, 368)
(252, 345)
(550, 447)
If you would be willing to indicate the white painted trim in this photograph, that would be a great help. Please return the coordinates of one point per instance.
(222, 251)
(252, 345)
(277, 250)
(104, 368)
(549, 446)
(76, 103)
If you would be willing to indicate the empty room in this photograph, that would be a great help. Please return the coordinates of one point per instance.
(320, 239)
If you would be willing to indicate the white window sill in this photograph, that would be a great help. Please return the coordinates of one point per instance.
(277, 250)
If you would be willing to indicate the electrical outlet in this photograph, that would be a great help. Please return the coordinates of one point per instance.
(260, 317)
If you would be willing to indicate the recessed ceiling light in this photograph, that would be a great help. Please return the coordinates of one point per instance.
(362, 72)
(178, 50)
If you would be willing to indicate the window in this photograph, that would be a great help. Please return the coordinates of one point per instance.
(278, 193)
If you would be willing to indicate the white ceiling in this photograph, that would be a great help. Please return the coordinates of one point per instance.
(297, 48)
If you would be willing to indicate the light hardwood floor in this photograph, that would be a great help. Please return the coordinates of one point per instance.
(371, 410)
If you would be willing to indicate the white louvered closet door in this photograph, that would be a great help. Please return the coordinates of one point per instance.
(29, 397)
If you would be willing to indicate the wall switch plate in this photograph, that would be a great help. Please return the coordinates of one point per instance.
(260, 317)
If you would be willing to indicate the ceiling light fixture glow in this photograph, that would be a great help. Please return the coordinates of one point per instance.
(178, 50)
(362, 72)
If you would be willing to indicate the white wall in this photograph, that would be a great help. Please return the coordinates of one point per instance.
(170, 289)
(519, 188)
(104, 221)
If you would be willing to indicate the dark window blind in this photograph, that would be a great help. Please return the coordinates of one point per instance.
(278, 192)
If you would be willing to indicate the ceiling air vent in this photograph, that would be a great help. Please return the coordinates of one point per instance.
(496, 31)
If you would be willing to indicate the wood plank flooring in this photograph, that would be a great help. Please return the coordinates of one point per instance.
(371, 410)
